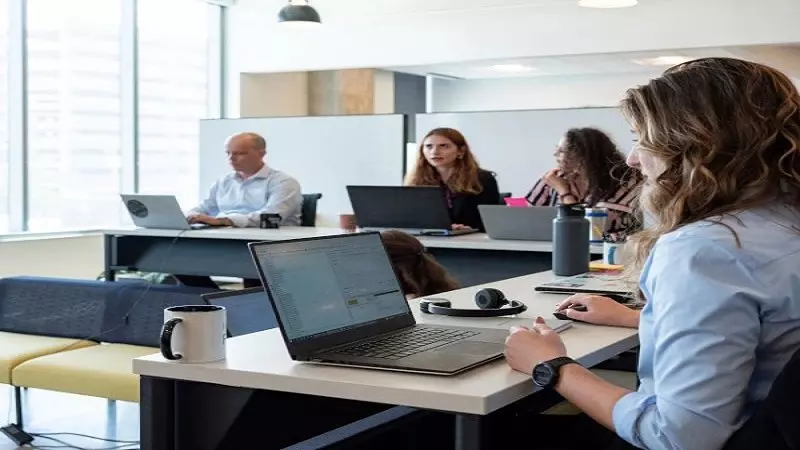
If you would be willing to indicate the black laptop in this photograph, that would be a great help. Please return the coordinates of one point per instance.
(338, 301)
(248, 310)
(417, 210)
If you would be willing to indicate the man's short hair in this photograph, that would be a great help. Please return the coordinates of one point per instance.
(256, 140)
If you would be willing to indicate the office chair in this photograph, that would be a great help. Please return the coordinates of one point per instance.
(774, 424)
(309, 210)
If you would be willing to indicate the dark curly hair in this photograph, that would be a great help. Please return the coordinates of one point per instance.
(595, 157)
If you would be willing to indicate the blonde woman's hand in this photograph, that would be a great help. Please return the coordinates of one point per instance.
(599, 310)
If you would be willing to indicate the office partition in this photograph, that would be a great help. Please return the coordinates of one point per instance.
(324, 153)
(518, 145)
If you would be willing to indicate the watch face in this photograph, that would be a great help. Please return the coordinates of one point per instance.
(543, 374)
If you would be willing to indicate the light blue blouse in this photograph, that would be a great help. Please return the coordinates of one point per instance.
(721, 321)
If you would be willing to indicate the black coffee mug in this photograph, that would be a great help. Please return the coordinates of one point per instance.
(270, 220)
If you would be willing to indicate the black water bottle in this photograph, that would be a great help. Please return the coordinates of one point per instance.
(571, 241)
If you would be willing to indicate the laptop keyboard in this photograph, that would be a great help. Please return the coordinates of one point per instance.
(407, 343)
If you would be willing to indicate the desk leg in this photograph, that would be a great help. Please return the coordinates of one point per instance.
(109, 242)
(469, 432)
(157, 413)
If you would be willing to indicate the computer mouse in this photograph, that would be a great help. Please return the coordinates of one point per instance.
(561, 316)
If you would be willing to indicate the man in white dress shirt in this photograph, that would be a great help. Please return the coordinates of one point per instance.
(239, 198)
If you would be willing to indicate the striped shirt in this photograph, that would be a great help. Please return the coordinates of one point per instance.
(620, 205)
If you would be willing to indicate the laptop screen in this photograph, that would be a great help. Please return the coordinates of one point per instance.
(329, 285)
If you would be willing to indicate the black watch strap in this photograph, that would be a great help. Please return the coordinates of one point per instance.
(547, 373)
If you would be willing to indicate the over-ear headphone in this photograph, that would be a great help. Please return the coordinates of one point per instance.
(489, 300)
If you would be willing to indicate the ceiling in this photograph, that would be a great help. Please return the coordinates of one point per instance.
(349, 11)
(783, 57)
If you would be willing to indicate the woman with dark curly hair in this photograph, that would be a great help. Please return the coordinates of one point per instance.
(591, 170)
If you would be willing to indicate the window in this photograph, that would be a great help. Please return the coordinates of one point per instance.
(74, 114)
(174, 66)
(4, 183)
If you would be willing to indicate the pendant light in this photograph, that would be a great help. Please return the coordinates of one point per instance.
(299, 12)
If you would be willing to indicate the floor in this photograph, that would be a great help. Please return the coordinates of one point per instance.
(52, 412)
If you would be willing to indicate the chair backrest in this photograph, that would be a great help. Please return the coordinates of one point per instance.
(774, 426)
(54, 307)
(248, 310)
(136, 313)
(309, 210)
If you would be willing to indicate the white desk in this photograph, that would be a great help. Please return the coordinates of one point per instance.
(259, 361)
(472, 259)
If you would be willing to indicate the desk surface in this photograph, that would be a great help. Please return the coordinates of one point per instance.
(260, 361)
(476, 241)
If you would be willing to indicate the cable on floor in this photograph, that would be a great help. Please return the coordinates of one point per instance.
(67, 445)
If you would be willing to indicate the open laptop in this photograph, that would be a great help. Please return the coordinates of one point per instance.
(416, 210)
(533, 223)
(338, 301)
(157, 211)
(247, 310)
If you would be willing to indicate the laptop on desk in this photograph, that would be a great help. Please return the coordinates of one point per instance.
(533, 223)
(338, 301)
(157, 211)
(417, 210)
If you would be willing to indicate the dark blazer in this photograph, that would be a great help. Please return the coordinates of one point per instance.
(774, 425)
(465, 206)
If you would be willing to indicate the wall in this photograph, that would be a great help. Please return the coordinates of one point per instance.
(70, 257)
(274, 94)
(409, 98)
(384, 92)
(531, 93)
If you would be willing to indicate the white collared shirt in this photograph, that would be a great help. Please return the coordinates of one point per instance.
(243, 200)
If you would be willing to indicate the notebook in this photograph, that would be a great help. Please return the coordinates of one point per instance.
(601, 283)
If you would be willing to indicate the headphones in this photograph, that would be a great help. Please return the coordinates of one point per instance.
(489, 300)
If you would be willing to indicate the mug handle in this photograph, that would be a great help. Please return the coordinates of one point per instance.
(166, 339)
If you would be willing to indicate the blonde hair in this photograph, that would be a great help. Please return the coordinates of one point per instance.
(728, 134)
(465, 175)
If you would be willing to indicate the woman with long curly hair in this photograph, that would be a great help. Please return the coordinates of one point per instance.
(417, 270)
(445, 160)
(590, 170)
(719, 146)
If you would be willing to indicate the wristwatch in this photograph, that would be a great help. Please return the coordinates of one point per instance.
(546, 374)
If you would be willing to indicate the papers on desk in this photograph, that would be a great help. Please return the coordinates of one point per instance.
(587, 283)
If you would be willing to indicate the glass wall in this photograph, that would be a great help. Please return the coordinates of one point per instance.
(87, 74)
(173, 94)
(4, 183)
(74, 115)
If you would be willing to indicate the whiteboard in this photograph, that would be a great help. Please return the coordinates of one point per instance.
(324, 154)
(518, 145)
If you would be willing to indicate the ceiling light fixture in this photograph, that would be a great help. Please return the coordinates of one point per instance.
(511, 68)
(606, 4)
(299, 14)
(672, 60)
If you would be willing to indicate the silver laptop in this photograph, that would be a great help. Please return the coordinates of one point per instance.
(534, 223)
(338, 301)
(157, 211)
